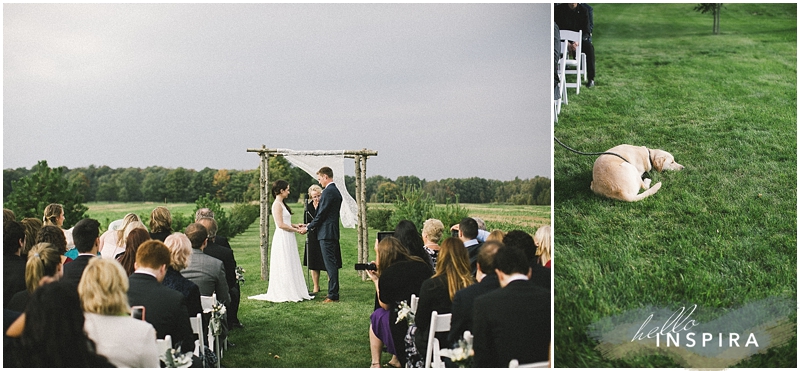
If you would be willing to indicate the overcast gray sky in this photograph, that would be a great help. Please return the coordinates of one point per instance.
(439, 90)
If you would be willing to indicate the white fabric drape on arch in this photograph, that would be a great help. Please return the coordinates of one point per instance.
(312, 163)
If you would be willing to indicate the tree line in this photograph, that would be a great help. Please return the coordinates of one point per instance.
(159, 184)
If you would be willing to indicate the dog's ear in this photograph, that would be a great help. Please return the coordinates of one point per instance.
(658, 160)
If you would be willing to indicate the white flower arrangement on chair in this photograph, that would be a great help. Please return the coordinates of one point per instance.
(175, 359)
(404, 312)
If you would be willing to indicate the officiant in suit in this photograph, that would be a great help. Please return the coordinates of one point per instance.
(326, 226)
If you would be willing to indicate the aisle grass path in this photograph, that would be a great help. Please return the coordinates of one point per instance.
(722, 232)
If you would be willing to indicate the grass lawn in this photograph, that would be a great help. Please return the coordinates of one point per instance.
(722, 232)
(311, 334)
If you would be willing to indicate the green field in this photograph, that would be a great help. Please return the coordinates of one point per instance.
(310, 334)
(719, 234)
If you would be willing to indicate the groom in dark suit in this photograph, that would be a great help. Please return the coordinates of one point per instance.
(326, 224)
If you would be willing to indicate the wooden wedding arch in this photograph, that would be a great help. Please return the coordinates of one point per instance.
(360, 157)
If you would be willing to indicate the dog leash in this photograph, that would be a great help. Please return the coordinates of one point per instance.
(595, 153)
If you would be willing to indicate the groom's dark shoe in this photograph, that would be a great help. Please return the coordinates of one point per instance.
(329, 300)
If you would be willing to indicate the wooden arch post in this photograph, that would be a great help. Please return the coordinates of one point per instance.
(360, 157)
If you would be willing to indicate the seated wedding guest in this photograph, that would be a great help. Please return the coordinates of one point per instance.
(9, 216)
(407, 233)
(44, 261)
(543, 243)
(32, 227)
(127, 258)
(165, 308)
(208, 213)
(521, 240)
(225, 255)
(124, 340)
(207, 272)
(399, 275)
(464, 299)
(13, 264)
(54, 215)
(496, 235)
(512, 322)
(52, 334)
(452, 274)
(53, 235)
(432, 231)
(112, 242)
(180, 249)
(468, 233)
(87, 235)
(160, 223)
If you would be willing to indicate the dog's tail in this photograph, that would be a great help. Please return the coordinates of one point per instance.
(649, 192)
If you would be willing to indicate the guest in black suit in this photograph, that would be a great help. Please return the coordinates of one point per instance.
(514, 321)
(208, 213)
(463, 301)
(86, 236)
(165, 308)
(229, 262)
(13, 264)
(326, 225)
(44, 261)
(468, 233)
(452, 274)
(540, 275)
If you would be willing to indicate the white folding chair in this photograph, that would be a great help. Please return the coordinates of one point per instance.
(414, 302)
(439, 323)
(562, 79)
(197, 329)
(163, 345)
(515, 364)
(208, 302)
(579, 62)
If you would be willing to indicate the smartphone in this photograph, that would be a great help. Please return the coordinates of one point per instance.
(382, 235)
(137, 312)
(366, 267)
(454, 233)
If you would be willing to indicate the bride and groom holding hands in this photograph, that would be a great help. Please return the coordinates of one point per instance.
(286, 280)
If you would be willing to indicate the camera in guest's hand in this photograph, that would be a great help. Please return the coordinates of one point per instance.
(454, 233)
(366, 267)
(382, 235)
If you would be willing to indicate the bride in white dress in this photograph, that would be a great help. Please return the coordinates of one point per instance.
(286, 280)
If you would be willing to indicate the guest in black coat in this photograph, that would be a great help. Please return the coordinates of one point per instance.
(165, 308)
(180, 249)
(86, 236)
(229, 262)
(160, 223)
(514, 321)
(13, 264)
(539, 275)
(463, 301)
(452, 274)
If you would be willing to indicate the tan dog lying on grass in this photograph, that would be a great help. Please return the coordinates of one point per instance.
(614, 178)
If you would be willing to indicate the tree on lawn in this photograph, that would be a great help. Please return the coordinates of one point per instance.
(44, 186)
(714, 9)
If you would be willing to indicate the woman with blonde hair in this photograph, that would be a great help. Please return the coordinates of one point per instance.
(453, 273)
(160, 223)
(399, 274)
(496, 235)
(543, 242)
(180, 251)
(313, 256)
(125, 341)
(114, 236)
(432, 231)
(54, 215)
(43, 261)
